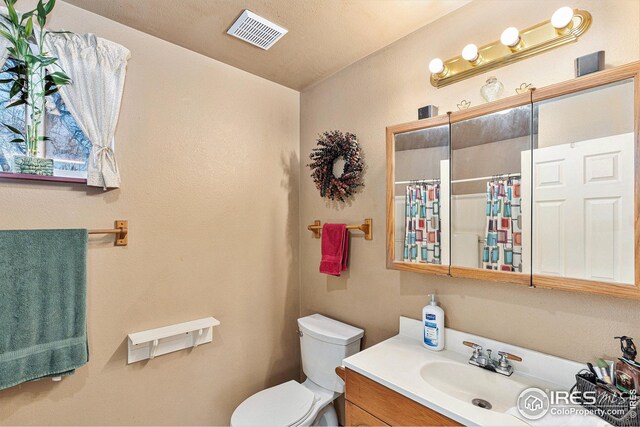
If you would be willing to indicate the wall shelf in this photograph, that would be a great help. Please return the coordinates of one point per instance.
(28, 177)
(156, 342)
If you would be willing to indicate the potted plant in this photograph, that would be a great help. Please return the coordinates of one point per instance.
(31, 82)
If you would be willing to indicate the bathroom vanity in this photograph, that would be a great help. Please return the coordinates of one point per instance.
(366, 397)
(399, 382)
(539, 189)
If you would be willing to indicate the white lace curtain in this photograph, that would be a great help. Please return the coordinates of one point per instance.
(97, 69)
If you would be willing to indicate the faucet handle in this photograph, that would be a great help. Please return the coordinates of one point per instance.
(477, 349)
(504, 356)
(472, 345)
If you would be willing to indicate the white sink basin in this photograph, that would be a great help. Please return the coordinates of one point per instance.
(467, 382)
(445, 382)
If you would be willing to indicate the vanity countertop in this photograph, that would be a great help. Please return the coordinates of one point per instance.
(399, 363)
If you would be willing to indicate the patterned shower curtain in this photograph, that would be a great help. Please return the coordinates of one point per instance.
(503, 245)
(422, 223)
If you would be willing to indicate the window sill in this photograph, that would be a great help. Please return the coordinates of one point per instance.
(27, 177)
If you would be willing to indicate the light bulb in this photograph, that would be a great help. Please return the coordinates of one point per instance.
(470, 52)
(510, 37)
(562, 17)
(436, 66)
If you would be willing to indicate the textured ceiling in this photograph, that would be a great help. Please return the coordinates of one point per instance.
(324, 35)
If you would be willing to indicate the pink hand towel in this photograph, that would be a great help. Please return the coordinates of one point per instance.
(335, 248)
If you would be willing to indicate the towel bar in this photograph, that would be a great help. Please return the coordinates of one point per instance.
(121, 231)
(366, 228)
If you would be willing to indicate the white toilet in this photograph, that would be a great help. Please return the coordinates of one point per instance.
(324, 343)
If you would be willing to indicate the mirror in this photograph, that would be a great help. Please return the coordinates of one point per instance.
(490, 161)
(421, 194)
(538, 189)
(583, 186)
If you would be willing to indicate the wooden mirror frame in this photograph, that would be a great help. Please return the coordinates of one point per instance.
(590, 81)
(392, 263)
(624, 72)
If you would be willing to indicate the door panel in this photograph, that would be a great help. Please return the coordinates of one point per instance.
(583, 209)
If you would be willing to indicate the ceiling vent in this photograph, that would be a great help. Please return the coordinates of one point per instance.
(256, 30)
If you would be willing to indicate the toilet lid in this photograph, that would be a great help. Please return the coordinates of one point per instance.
(282, 405)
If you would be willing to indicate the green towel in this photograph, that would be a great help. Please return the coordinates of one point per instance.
(43, 289)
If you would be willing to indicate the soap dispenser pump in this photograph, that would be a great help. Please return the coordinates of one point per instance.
(433, 322)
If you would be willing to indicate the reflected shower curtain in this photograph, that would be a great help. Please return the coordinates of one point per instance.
(503, 245)
(422, 223)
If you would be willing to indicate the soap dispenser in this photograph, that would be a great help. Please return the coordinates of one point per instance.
(433, 322)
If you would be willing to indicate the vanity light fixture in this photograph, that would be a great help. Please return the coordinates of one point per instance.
(511, 38)
(470, 53)
(565, 26)
(436, 66)
(562, 19)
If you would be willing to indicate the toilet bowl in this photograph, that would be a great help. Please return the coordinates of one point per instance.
(288, 404)
(324, 344)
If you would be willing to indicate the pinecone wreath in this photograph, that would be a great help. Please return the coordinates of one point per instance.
(333, 145)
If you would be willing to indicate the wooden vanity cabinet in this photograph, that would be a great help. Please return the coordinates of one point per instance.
(357, 416)
(369, 403)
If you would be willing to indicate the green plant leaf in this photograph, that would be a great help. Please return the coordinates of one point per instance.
(8, 36)
(42, 14)
(49, 6)
(17, 140)
(59, 75)
(40, 8)
(40, 59)
(13, 129)
(6, 24)
(28, 29)
(31, 59)
(60, 78)
(23, 47)
(5, 81)
(15, 89)
(13, 16)
(47, 60)
(16, 103)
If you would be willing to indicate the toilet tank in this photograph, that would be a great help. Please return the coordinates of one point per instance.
(324, 343)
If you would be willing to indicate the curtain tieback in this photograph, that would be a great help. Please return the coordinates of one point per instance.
(105, 153)
(102, 153)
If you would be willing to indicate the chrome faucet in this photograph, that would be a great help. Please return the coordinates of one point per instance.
(485, 361)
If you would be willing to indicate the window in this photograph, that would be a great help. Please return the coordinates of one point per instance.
(68, 146)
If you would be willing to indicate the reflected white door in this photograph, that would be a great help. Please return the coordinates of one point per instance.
(583, 210)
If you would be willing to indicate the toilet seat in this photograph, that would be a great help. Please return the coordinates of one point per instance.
(286, 404)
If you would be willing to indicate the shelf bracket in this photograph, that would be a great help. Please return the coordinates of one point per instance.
(154, 349)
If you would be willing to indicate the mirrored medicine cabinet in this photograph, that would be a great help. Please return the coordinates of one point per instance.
(539, 189)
